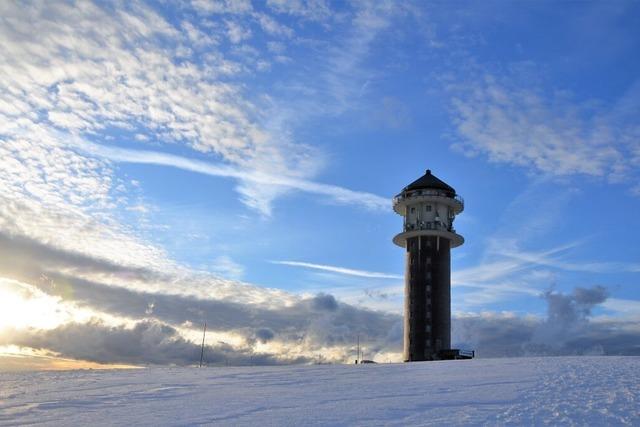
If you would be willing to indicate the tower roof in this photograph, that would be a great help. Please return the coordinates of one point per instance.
(429, 181)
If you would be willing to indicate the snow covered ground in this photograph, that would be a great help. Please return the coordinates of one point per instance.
(526, 391)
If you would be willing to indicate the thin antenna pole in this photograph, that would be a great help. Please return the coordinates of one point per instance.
(204, 333)
(358, 355)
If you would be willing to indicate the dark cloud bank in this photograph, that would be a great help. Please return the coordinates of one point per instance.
(566, 330)
(316, 323)
(149, 342)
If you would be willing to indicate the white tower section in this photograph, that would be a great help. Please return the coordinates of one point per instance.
(428, 212)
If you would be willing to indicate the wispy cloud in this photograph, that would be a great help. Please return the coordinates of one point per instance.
(550, 132)
(511, 271)
(515, 261)
(226, 267)
(624, 309)
(340, 270)
(544, 259)
(160, 82)
(492, 277)
(508, 270)
(335, 193)
(313, 10)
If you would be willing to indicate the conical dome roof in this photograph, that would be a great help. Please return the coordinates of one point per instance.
(429, 181)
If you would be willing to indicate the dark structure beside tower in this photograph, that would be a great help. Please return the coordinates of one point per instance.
(429, 207)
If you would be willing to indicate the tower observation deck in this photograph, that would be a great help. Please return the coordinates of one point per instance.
(428, 206)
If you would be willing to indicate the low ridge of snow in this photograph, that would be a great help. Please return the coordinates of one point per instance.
(524, 391)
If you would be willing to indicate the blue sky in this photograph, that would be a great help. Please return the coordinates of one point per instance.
(247, 152)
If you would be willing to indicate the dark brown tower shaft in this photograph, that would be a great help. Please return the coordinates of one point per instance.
(427, 326)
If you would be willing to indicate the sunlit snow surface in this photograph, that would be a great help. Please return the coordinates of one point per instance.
(526, 391)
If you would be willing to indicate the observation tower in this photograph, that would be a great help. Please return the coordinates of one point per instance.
(428, 206)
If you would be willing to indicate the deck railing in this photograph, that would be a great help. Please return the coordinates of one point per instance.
(429, 225)
(417, 193)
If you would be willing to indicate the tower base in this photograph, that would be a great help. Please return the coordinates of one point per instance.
(427, 314)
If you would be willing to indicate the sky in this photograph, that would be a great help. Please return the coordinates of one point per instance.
(166, 164)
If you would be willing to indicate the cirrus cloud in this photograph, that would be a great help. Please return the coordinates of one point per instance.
(551, 133)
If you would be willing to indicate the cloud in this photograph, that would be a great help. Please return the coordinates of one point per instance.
(118, 295)
(340, 270)
(567, 329)
(227, 267)
(548, 132)
(271, 26)
(81, 79)
(290, 322)
(126, 73)
(506, 271)
(56, 196)
(344, 75)
(393, 113)
(291, 327)
(150, 79)
(265, 334)
(222, 6)
(303, 327)
(623, 309)
(335, 193)
(20, 253)
(510, 259)
(325, 302)
(339, 60)
(177, 83)
(509, 270)
(236, 32)
(313, 10)
(34, 262)
(564, 311)
(146, 342)
(516, 260)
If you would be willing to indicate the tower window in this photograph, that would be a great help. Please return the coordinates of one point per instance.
(413, 210)
(428, 207)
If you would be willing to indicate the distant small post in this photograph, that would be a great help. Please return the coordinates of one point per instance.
(204, 333)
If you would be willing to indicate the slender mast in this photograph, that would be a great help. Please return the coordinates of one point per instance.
(204, 333)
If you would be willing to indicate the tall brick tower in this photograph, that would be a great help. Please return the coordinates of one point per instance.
(429, 207)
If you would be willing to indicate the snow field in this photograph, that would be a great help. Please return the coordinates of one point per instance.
(524, 391)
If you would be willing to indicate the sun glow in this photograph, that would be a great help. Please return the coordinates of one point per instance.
(24, 306)
(15, 358)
